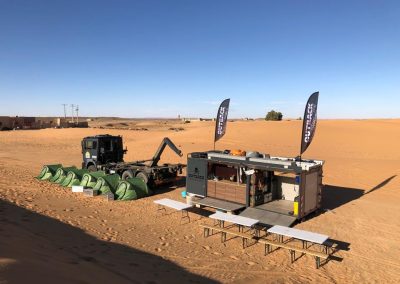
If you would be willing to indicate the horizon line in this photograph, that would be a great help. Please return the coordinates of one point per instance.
(199, 117)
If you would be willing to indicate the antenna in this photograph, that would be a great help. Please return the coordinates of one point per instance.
(77, 114)
(72, 112)
(65, 111)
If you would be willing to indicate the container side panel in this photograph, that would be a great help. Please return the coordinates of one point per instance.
(211, 188)
(196, 179)
(311, 192)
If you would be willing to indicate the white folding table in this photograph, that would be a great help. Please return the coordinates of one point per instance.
(240, 221)
(237, 220)
(304, 236)
(180, 206)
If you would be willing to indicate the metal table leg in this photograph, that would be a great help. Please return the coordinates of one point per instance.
(161, 208)
(185, 215)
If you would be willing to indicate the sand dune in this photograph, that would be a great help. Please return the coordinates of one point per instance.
(47, 232)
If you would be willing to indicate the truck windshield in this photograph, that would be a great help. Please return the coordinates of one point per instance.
(91, 144)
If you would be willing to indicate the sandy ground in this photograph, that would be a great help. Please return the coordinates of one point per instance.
(48, 234)
(138, 124)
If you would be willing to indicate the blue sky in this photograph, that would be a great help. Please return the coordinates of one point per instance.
(164, 58)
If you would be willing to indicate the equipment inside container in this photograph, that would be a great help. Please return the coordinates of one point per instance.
(268, 190)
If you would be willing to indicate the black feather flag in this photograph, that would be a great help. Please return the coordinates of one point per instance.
(222, 119)
(309, 122)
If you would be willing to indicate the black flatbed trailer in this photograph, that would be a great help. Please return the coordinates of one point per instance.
(152, 175)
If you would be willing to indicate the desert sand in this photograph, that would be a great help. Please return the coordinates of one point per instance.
(51, 235)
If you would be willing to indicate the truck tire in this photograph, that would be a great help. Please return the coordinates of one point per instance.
(92, 168)
(127, 174)
(142, 176)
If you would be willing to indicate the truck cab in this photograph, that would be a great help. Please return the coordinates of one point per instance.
(100, 150)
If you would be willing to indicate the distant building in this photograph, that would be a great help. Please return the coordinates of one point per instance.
(197, 119)
(8, 123)
(5, 123)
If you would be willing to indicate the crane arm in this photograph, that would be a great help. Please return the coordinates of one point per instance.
(166, 141)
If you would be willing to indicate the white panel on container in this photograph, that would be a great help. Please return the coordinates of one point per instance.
(289, 188)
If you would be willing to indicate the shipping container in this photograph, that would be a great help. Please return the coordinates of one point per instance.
(274, 190)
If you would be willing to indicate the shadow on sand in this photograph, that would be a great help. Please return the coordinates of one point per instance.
(336, 196)
(36, 248)
(179, 183)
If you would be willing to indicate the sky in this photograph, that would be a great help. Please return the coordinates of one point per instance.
(168, 58)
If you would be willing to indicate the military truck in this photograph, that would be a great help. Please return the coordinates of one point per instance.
(106, 153)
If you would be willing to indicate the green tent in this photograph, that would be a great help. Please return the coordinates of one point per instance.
(74, 177)
(108, 183)
(48, 171)
(132, 189)
(61, 174)
(90, 179)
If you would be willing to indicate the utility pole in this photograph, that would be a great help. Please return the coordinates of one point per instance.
(65, 111)
(77, 114)
(72, 112)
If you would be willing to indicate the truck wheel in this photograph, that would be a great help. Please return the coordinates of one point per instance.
(127, 174)
(143, 177)
(92, 168)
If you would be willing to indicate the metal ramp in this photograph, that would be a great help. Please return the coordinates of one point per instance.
(280, 206)
(218, 204)
(268, 217)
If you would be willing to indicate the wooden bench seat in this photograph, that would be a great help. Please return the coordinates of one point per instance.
(331, 245)
(267, 243)
(224, 232)
(293, 249)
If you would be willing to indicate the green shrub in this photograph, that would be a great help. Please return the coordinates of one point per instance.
(274, 115)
